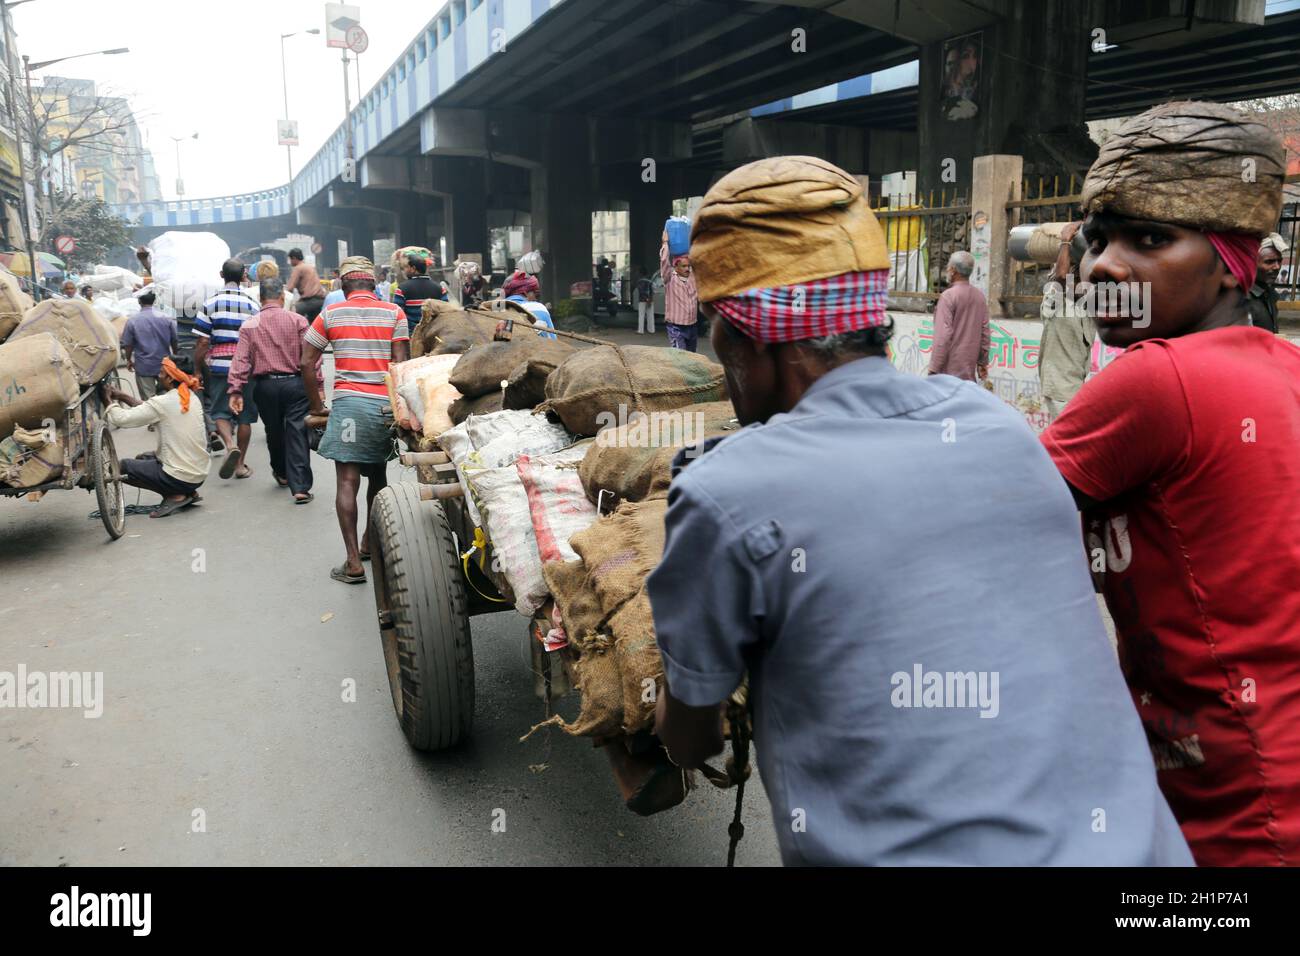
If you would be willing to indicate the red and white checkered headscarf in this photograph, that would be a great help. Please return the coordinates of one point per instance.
(810, 310)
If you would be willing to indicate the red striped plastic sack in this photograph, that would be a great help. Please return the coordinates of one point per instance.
(557, 503)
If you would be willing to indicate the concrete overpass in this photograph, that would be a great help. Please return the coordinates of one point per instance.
(537, 112)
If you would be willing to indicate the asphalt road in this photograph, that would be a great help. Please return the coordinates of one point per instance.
(225, 649)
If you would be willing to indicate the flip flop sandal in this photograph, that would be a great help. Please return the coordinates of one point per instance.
(248, 473)
(282, 482)
(303, 501)
(170, 507)
(341, 574)
(364, 555)
(230, 465)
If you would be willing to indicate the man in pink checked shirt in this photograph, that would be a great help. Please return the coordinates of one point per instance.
(681, 301)
(269, 357)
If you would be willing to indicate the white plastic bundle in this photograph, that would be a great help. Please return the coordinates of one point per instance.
(186, 269)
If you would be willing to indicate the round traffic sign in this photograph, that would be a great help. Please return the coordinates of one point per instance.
(65, 245)
(357, 39)
(317, 248)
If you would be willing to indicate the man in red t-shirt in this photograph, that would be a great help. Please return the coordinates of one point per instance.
(1184, 454)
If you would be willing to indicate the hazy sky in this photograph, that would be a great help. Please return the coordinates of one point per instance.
(214, 68)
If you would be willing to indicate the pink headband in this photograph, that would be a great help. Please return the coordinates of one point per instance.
(1239, 252)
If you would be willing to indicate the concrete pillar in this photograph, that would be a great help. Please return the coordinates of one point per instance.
(1028, 99)
(995, 182)
(466, 189)
(562, 205)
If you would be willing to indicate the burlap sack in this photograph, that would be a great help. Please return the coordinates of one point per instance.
(1201, 165)
(445, 328)
(526, 386)
(481, 370)
(783, 221)
(88, 336)
(634, 461)
(640, 666)
(590, 387)
(463, 408)
(30, 457)
(602, 602)
(596, 670)
(14, 303)
(37, 382)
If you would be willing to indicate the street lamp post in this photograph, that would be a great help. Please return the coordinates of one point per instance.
(180, 181)
(284, 79)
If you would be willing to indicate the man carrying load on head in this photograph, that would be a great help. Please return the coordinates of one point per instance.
(681, 300)
(1166, 451)
(850, 550)
(368, 335)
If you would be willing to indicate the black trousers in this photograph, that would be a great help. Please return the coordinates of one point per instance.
(147, 473)
(282, 403)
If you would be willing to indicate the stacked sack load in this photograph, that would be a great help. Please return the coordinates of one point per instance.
(88, 337)
(486, 374)
(38, 383)
(420, 395)
(643, 405)
(519, 475)
(14, 303)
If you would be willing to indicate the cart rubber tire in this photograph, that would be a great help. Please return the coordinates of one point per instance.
(423, 619)
(107, 472)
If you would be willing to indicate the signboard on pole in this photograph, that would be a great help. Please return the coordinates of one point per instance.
(358, 39)
(339, 19)
(65, 245)
(287, 131)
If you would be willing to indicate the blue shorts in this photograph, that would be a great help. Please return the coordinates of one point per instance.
(358, 430)
(217, 401)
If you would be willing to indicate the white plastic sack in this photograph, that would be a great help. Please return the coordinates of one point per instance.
(186, 269)
(112, 279)
(499, 438)
(530, 262)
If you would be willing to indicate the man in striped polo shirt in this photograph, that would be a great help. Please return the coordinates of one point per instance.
(368, 335)
(216, 335)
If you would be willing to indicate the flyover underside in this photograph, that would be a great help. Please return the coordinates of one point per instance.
(691, 59)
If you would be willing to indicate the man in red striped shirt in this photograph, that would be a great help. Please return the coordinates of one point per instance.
(269, 356)
(368, 335)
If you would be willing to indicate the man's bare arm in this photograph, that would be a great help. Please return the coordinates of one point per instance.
(691, 734)
(310, 356)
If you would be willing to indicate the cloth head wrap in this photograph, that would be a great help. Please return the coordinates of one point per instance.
(356, 267)
(184, 383)
(788, 249)
(520, 284)
(1201, 165)
(1239, 252)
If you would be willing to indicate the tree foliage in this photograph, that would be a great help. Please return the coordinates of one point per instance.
(99, 234)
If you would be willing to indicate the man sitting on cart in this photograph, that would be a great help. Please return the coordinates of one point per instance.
(181, 463)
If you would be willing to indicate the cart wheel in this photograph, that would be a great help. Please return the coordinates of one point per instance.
(107, 472)
(423, 622)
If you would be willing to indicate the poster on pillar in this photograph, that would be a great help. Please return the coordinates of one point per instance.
(287, 131)
(962, 60)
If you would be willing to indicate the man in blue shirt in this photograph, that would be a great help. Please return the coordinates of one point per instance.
(895, 563)
(149, 337)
